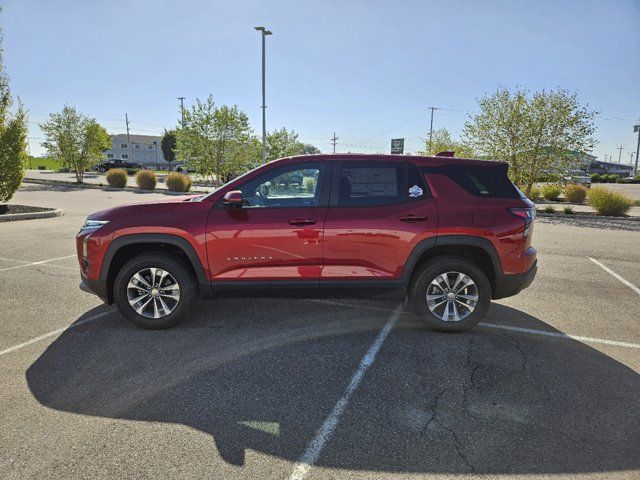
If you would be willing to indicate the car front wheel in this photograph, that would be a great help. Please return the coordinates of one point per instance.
(450, 294)
(154, 290)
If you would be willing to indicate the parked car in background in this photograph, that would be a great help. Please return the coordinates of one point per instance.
(107, 165)
(451, 234)
(578, 177)
(182, 168)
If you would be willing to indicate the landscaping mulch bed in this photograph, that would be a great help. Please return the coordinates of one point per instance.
(12, 209)
(591, 220)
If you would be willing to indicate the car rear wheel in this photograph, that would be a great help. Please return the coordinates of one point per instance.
(154, 290)
(450, 294)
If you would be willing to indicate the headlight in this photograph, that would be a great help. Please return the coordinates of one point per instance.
(92, 225)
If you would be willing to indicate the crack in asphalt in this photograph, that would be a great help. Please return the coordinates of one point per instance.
(518, 347)
(436, 405)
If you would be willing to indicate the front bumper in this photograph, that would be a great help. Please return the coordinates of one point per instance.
(509, 285)
(95, 287)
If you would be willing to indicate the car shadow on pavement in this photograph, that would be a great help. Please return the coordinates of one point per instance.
(260, 375)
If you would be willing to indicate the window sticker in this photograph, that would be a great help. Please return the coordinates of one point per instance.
(415, 191)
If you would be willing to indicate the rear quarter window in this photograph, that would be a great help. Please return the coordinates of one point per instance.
(489, 181)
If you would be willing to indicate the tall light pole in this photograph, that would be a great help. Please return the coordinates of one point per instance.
(431, 126)
(181, 110)
(264, 32)
(636, 128)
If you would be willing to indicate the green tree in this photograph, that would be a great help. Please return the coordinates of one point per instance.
(441, 141)
(535, 133)
(75, 139)
(283, 143)
(168, 145)
(308, 149)
(217, 140)
(13, 140)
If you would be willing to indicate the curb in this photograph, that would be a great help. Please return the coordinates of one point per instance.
(12, 217)
(40, 181)
(589, 217)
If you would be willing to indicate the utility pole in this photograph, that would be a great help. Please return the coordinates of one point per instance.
(264, 32)
(620, 148)
(636, 128)
(181, 110)
(431, 125)
(334, 140)
(126, 119)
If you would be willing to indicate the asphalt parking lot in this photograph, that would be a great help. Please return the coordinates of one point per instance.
(547, 387)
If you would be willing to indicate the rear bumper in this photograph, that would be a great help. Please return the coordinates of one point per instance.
(508, 285)
(96, 287)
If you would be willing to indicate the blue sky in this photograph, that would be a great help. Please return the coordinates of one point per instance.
(368, 70)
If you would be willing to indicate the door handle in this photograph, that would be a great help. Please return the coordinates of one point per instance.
(301, 221)
(412, 217)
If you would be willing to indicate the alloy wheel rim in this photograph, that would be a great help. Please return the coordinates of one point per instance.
(452, 296)
(153, 292)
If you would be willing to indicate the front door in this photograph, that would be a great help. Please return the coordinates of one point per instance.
(379, 212)
(277, 233)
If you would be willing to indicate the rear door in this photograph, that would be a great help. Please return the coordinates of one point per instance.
(378, 213)
(277, 233)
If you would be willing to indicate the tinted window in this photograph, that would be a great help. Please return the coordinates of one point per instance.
(417, 188)
(367, 185)
(285, 187)
(489, 181)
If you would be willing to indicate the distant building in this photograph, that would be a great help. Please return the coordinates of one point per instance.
(619, 169)
(143, 149)
(590, 164)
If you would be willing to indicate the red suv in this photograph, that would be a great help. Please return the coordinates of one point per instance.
(450, 233)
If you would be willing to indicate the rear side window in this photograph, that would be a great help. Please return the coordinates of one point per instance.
(417, 188)
(489, 181)
(370, 185)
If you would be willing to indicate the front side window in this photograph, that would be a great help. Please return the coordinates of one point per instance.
(370, 185)
(294, 186)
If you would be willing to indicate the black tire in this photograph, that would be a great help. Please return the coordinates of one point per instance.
(172, 265)
(429, 272)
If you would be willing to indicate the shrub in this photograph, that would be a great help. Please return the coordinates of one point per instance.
(534, 194)
(549, 209)
(607, 202)
(568, 210)
(178, 182)
(551, 192)
(117, 177)
(595, 177)
(575, 193)
(146, 179)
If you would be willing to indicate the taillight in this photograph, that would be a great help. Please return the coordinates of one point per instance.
(528, 215)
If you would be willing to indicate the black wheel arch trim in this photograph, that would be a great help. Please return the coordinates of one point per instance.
(165, 238)
(451, 240)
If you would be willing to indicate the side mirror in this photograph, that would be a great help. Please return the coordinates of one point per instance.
(232, 199)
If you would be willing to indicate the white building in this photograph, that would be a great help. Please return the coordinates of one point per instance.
(142, 149)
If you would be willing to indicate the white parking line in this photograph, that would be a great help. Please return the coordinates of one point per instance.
(614, 274)
(560, 335)
(530, 331)
(55, 332)
(311, 454)
(30, 264)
